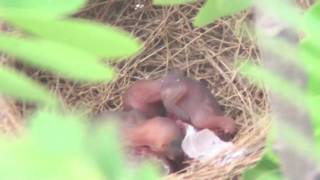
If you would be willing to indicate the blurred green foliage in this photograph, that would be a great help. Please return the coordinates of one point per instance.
(57, 57)
(312, 25)
(46, 8)
(94, 38)
(72, 48)
(59, 146)
(215, 9)
(12, 83)
(212, 10)
(266, 169)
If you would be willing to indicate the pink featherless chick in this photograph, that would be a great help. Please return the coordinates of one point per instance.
(144, 96)
(160, 134)
(157, 137)
(188, 100)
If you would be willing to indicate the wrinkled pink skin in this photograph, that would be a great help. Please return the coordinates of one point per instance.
(160, 135)
(144, 96)
(188, 100)
(183, 99)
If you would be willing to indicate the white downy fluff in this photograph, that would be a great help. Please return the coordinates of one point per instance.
(204, 145)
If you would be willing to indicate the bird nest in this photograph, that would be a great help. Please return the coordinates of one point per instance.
(210, 55)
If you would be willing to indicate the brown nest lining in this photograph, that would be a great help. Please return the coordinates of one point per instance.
(171, 42)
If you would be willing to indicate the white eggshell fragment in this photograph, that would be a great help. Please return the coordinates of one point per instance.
(203, 145)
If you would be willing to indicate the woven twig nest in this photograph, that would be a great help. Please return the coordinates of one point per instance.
(207, 54)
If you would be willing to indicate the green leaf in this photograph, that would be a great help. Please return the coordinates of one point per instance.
(314, 113)
(311, 21)
(48, 8)
(51, 149)
(215, 9)
(265, 169)
(265, 78)
(171, 2)
(57, 134)
(298, 141)
(107, 150)
(147, 172)
(287, 91)
(309, 54)
(286, 11)
(104, 41)
(60, 58)
(20, 86)
(314, 91)
(305, 56)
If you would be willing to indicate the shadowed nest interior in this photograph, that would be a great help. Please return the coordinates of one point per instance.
(209, 54)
